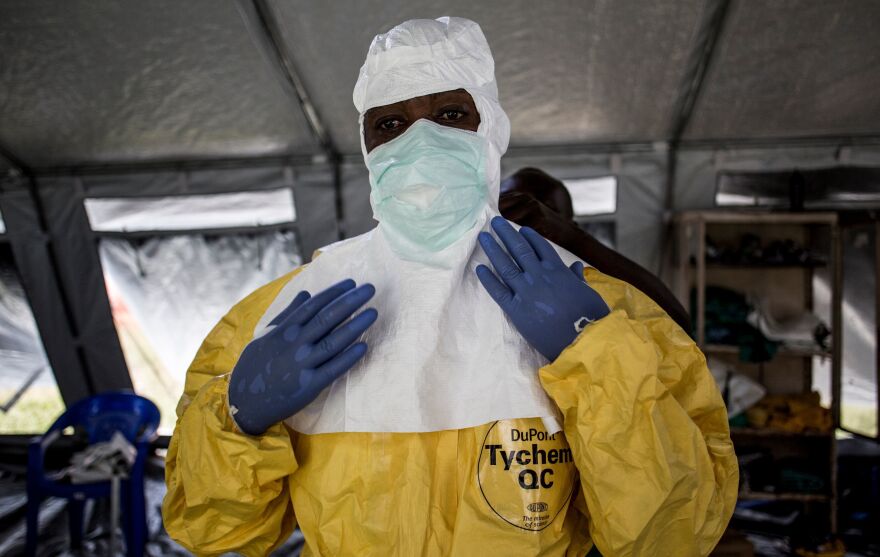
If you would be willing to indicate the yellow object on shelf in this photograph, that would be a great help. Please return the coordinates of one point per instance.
(791, 413)
(833, 548)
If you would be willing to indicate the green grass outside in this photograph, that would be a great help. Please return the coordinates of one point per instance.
(33, 413)
(858, 418)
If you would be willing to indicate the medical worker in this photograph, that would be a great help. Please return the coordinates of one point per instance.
(447, 384)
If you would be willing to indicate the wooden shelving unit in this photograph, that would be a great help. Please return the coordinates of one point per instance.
(757, 432)
(783, 351)
(791, 370)
(808, 497)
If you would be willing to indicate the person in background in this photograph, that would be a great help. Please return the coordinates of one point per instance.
(531, 197)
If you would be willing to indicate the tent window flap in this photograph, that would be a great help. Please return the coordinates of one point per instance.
(191, 212)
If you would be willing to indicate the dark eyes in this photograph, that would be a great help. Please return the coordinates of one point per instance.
(389, 124)
(451, 115)
(446, 115)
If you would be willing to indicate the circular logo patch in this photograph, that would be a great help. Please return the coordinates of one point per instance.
(526, 475)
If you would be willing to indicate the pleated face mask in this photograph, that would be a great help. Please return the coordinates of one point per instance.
(428, 185)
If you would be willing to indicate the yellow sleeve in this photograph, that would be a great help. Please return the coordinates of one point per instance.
(648, 430)
(227, 491)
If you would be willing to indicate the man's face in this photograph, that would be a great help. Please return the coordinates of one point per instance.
(455, 109)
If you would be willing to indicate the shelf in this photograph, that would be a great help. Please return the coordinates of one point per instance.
(783, 351)
(806, 497)
(756, 432)
(707, 254)
(757, 217)
(762, 266)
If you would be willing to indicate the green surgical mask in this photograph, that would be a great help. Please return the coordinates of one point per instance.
(428, 185)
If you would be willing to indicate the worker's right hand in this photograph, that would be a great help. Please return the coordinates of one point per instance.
(308, 348)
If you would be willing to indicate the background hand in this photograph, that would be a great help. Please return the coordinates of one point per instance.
(281, 372)
(547, 302)
(525, 210)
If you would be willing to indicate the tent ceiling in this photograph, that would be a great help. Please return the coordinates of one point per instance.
(793, 68)
(84, 82)
(568, 72)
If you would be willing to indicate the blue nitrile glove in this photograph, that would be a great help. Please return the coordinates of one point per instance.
(548, 302)
(281, 372)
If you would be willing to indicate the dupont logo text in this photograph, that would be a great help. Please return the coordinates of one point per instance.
(526, 475)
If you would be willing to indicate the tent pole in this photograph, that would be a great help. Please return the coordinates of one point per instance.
(16, 163)
(271, 31)
(54, 267)
(698, 63)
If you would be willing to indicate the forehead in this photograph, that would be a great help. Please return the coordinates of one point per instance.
(455, 95)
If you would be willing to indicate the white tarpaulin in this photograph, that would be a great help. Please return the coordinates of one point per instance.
(167, 294)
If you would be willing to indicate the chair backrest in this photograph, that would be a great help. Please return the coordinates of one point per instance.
(103, 414)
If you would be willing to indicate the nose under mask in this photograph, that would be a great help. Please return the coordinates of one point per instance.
(419, 195)
(428, 186)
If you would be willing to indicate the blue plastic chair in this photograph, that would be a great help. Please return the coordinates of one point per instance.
(99, 417)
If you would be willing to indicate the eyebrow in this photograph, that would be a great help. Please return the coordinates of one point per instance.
(383, 110)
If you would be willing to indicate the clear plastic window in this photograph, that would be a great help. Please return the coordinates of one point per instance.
(167, 293)
(858, 405)
(593, 196)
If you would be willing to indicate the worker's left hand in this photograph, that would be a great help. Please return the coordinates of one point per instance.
(548, 302)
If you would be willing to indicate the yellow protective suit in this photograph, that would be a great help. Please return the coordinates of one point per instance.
(644, 466)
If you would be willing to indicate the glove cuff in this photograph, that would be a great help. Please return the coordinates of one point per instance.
(234, 411)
